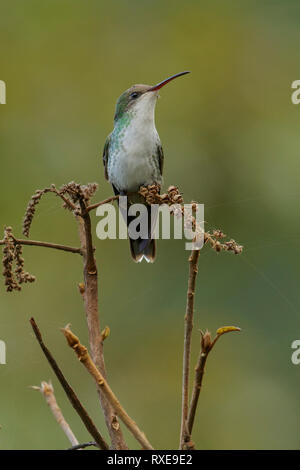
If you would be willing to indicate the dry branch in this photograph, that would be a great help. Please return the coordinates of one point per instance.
(83, 446)
(199, 372)
(86, 360)
(106, 201)
(188, 328)
(90, 296)
(47, 390)
(87, 421)
(207, 345)
(55, 246)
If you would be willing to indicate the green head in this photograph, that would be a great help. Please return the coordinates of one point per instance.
(140, 98)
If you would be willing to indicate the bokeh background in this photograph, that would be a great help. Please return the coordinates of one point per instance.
(231, 140)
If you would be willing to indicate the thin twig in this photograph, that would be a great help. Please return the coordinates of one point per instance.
(199, 373)
(207, 344)
(86, 360)
(188, 319)
(67, 201)
(44, 244)
(87, 421)
(106, 201)
(83, 446)
(47, 390)
(90, 296)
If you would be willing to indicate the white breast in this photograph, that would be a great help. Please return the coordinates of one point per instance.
(134, 162)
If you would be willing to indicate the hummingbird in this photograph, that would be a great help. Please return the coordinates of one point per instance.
(133, 155)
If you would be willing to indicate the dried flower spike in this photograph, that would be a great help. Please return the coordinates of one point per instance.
(30, 210)
(174, 198)
(70, 193)
(12, 252)
(7, 261)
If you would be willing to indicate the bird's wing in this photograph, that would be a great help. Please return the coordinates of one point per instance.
(160, 154)
(105, 156)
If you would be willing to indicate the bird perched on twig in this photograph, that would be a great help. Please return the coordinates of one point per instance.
(133, 155)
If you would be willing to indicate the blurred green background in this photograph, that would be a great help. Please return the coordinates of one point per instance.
(231, 140)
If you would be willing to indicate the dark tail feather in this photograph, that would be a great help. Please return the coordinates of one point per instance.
(144, 248)
(140, 250)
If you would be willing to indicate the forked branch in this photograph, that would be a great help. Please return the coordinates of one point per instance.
(188, 327)
(87, 421)
(84, 357)
(207, 345)
(90, 297)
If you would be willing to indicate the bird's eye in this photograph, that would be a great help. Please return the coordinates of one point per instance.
(134, 95)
